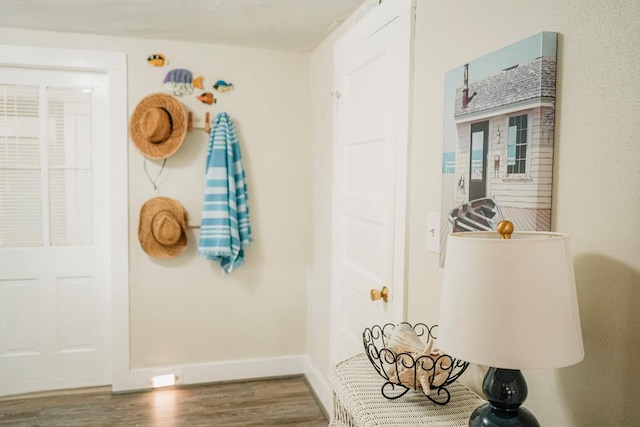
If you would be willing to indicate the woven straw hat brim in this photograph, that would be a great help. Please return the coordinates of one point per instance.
(145, 234)
(169, 146)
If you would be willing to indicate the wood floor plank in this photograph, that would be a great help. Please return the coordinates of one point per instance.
(273, 402)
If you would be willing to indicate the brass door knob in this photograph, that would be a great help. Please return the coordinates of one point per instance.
(382, 293)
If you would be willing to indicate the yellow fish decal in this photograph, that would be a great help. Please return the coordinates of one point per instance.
(197, 82)
(157, 60)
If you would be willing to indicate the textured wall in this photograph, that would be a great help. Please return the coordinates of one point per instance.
(183, 311)
(596, 192)
(596, 174)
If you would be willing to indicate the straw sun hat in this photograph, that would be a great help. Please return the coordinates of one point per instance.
(163, 228)
(158, 125)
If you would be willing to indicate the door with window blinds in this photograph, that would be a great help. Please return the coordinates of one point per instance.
(53, 185)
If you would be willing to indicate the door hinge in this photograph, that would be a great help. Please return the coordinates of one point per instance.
(337, 96)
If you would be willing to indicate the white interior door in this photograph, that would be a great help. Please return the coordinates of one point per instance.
(54, 299)
(373, 67)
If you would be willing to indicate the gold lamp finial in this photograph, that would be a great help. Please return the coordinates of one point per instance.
(505, 228)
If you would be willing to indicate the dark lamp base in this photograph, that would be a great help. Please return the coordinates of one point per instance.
(506, 390)
(488, 416)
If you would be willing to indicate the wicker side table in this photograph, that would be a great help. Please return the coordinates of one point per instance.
(358, 402)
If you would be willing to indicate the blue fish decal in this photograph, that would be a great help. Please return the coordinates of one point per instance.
(222, 86)
(181, 82)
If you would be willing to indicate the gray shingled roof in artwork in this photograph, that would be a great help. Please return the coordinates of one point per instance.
(535, 79)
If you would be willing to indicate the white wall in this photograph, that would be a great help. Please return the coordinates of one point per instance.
(259, 311)
(596, 192)
(596, 173)
(183, 311)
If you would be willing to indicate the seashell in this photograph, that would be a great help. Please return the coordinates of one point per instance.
(406, 371)
(428, 349)
(390, 370)
(403, 342)
(423, 377)
(440, 378)
(403, 339)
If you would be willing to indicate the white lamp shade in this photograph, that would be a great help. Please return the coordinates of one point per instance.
(510, 304)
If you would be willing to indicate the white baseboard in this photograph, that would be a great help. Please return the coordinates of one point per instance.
(140, 379)
(320, 385)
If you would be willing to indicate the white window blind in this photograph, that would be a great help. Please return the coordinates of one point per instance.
(70, 178)
(66, 187)
(20, 180)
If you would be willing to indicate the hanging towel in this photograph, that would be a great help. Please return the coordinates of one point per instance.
(225, 229)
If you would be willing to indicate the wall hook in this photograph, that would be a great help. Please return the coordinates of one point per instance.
(207, 122)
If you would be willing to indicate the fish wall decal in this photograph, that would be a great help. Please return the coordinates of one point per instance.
(207, 98)
(222, 86)
(157, 60)
(181, 82)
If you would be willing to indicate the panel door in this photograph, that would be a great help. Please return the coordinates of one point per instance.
(54, 301)
(370, 156)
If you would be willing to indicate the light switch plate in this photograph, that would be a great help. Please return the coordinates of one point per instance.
(433, 232)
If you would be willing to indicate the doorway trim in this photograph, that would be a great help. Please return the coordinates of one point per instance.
(114, 65)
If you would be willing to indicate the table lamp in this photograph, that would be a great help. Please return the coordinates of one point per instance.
(509, 302)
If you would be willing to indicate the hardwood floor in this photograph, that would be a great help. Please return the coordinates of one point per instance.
(272, 402)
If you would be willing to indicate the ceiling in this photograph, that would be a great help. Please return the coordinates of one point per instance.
(295, 25)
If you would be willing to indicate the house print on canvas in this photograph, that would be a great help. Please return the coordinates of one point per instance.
(498, 139)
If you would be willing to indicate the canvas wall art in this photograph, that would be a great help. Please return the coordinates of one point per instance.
(499, 120)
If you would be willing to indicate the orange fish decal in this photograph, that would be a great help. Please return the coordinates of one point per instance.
(207, 98)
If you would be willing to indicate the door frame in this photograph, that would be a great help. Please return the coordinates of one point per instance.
(114, 65)
(377, 18)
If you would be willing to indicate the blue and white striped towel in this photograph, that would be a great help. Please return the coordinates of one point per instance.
(225, 229)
